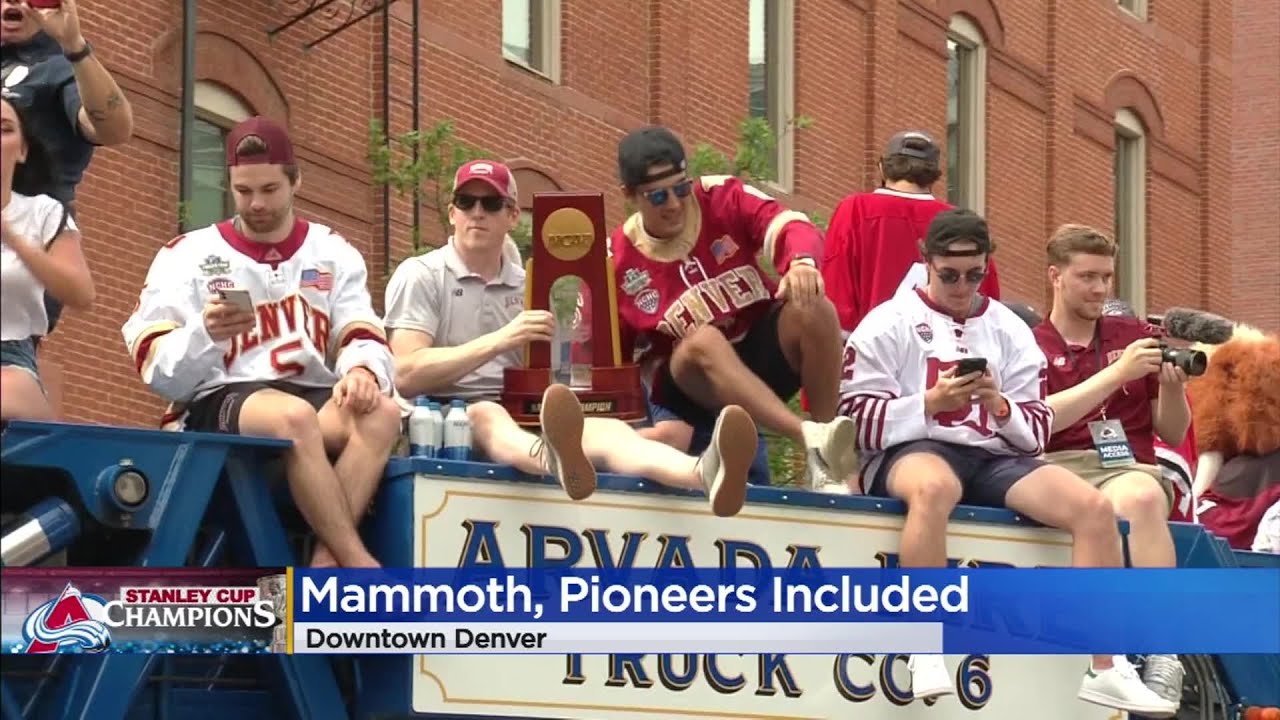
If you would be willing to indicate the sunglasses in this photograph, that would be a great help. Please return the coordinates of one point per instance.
(659, 197)
(951, 276)
(490, 203)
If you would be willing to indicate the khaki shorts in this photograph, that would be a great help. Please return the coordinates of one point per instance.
(1085, 463)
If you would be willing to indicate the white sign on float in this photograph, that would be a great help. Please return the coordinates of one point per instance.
(490, 521)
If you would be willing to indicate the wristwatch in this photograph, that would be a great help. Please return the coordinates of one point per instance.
(804, 260)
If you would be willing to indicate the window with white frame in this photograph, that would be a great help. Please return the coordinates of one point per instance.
(771, 77)
(966, 114)
(1131, 210)
(531, 35)
(217, 111)
(1136, 8)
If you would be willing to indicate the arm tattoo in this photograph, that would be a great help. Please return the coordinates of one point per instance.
(114, 102)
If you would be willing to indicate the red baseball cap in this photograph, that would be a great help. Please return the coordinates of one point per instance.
(279, 150)
(494, 174)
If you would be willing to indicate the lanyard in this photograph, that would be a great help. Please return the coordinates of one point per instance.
(1097, 347)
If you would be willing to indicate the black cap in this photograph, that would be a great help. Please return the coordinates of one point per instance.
(1028, 314)
(956, 225)
(642, 149)
(914, 144)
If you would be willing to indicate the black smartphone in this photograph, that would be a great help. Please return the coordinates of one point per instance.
(968, 366)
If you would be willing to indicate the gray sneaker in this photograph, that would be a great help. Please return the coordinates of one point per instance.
(1163, 674)
(724, 466)
(560, 446)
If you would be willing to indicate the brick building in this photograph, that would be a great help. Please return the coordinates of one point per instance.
(1094, 111)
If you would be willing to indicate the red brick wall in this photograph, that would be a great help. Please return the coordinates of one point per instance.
(1255, 163)
(1058, 71)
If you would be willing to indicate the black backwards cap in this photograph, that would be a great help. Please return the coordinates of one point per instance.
(953, 226)
(641, 149)
(1025, 312)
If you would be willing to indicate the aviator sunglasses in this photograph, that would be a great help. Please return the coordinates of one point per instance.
(490, 203)
(951, 276)
(658, 197)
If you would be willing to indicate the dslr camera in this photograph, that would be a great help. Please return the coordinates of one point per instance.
(1192, 362)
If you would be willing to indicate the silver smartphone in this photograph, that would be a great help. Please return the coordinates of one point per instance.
(237, 297)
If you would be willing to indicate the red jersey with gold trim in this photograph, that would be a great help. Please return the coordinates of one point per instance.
(315, 318)
(710, 274)
(1070, 365)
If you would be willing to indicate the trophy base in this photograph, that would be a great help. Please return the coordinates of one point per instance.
(615, 393)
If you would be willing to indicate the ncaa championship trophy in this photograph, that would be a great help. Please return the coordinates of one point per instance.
(569, 240)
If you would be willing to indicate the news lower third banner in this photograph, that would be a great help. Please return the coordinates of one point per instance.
(572, 611)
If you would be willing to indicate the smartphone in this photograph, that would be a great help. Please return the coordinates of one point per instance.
(968, 366)
(44, 4)
(239, 298)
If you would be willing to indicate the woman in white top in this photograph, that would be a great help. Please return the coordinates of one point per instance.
(40, 250)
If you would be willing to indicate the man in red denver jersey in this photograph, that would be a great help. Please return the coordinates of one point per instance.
(1111, 394)
(712, 327)
(873, 241)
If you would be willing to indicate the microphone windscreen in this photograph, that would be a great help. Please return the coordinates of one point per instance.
(1198, 326)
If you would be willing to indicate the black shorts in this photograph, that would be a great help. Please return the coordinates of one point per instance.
(759, 350)
(984, 477)
(219, 411)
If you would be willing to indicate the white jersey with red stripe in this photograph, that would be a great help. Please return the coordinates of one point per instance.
(898, 351)
(316, 321)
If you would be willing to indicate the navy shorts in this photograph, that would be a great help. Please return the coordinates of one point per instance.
(219, 411)
(985, 478)
(21, 354)
(758, 474)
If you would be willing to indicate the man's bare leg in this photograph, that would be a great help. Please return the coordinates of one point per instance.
(312, 480)
(558, 452)
(1139, 498)
(1055, 497)
(363, 445)
(931, 490)
(810, 340)
(708, 370)
(721, 472)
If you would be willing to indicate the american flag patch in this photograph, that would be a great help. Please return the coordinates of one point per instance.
(723, 249)
(318, 279)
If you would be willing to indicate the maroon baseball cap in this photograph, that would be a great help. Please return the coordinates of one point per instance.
(279, 150)
(494, 174)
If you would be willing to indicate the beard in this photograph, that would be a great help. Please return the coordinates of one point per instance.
(265, 223)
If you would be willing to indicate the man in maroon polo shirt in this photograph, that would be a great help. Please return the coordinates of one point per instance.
(1111, 395)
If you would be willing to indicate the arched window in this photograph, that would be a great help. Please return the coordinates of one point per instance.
(966, 114)
(217, 111)
(1131, 209)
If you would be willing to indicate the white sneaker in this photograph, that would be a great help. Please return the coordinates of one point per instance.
(833, 444)
(1120, 688)
(929, 677)
(561, 443)
(724, 466)
(1164, 674)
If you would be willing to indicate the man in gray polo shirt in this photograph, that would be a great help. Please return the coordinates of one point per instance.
(456, 319)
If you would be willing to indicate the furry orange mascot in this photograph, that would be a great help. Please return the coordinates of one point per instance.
(1236, 420)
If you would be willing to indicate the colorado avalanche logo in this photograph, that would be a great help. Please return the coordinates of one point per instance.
(68, 623)
(925, 332)
(647, 301)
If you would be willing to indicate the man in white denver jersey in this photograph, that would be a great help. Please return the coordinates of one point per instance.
(262, 325)
(933, 432)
